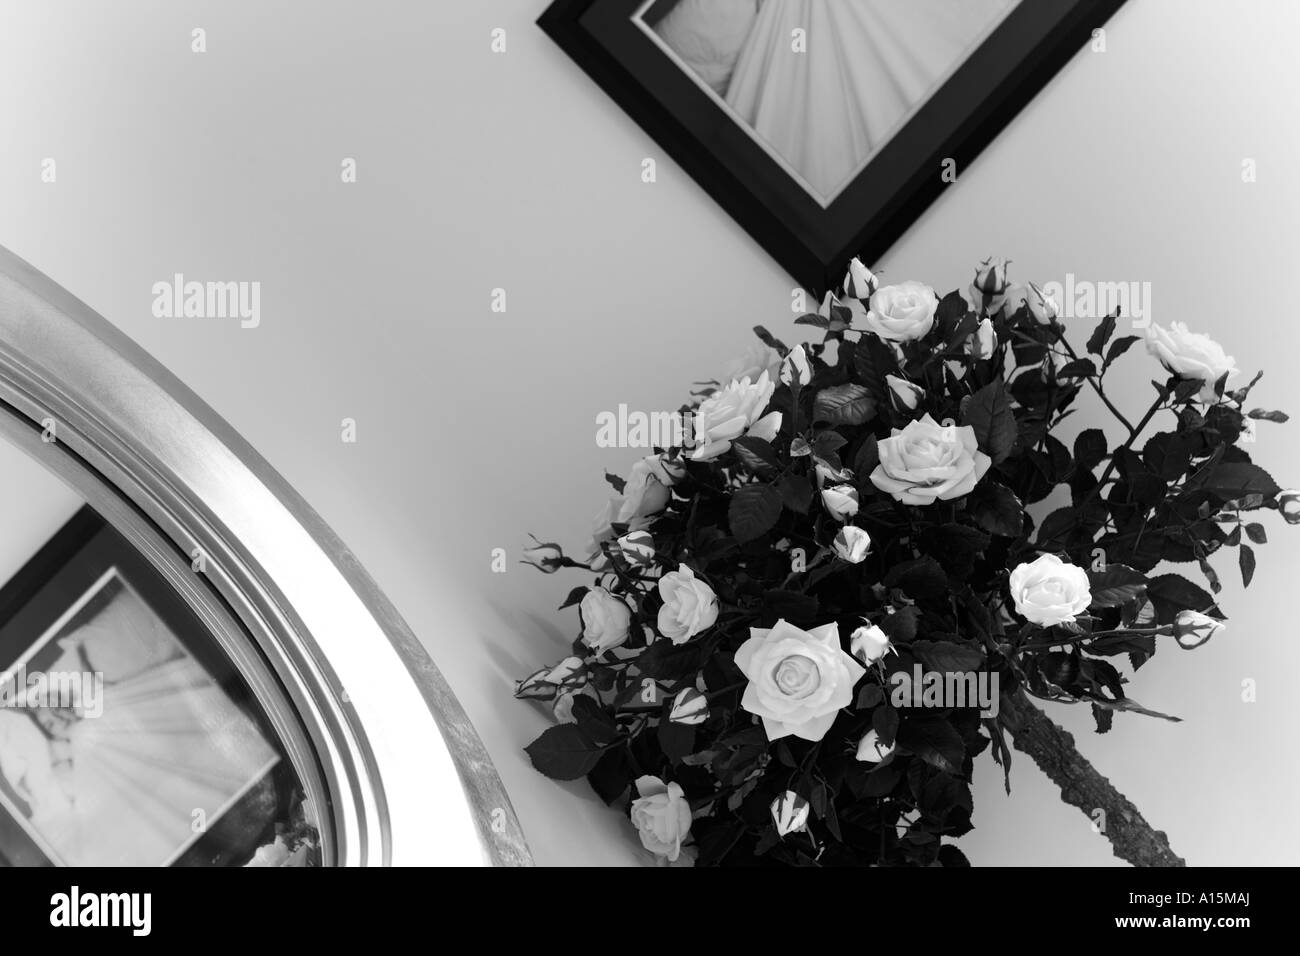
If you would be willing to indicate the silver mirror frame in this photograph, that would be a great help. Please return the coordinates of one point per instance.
(404, 772)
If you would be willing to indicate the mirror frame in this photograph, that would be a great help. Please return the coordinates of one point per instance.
(404, 773)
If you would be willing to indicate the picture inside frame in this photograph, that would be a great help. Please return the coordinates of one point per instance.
(820, 85)
(118, 746)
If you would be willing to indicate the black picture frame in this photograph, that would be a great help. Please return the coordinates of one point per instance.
(815, 243)
(65, 568)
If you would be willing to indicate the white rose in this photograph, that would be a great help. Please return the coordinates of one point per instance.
(690, 606)
(757, 359)
(852, 543)
(605, 620)
(662, 816)
(983, 341)
(1192, 629)
(798, 680)
(868, 643)
(1191, 355)
(841, 501)
(905, 393)
(795, 368)
(859, 283)
(902, 312)
(926, 461)
(871, 750)
(735, 409)
(647, 489)
(1048, 591)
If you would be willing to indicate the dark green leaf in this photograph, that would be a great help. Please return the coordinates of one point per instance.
(948, 657)
(996, 509)
(1246, 559)
(989, 412)
(1171, 593)
(753, 511)
(756, 455)
(575, 597)
(796, 493)
(1237, 479)
(1090, 448)
(935, 741)
(900, 627)
(1119, 347)
(666, 661)
(1115, 585)
(1079, 368)
(873, 360)
(564, 752)
(676, 740)
(884, 721)
(1256, 533)
(867, 458)
(1102, 333)
(847, 404)
(921, 579)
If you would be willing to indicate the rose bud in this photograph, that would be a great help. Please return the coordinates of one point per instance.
(794, 369)
(991, 277)
(868, 643)
(840, 312)
(1042, 307)
(1192, 629)
(841, 501)
(906, 395)
(690, 707)
(871, 750)
(544, 556)
(824, 473)
(983, 341)
(570, 672)
(536, 686)
(852, 543)
(790, 813)
(638, 547)
(859, 283)
(1288, 506)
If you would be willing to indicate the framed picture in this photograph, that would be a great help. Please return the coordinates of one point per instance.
(126, 737)
(824, 127)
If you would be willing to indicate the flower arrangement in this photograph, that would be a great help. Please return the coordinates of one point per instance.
(806, 622)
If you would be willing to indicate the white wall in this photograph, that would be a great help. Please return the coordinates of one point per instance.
(481, 170)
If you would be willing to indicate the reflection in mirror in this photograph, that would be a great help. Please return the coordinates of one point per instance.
(128, 737)
(821, 84)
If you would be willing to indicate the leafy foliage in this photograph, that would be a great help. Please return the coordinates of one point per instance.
(1142, 518)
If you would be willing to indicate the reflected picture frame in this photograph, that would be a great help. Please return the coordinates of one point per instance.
(814, 240)
(88, 587)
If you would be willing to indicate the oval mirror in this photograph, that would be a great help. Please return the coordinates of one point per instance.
(194, 671)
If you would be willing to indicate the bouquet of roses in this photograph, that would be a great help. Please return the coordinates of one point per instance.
(809, 615)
